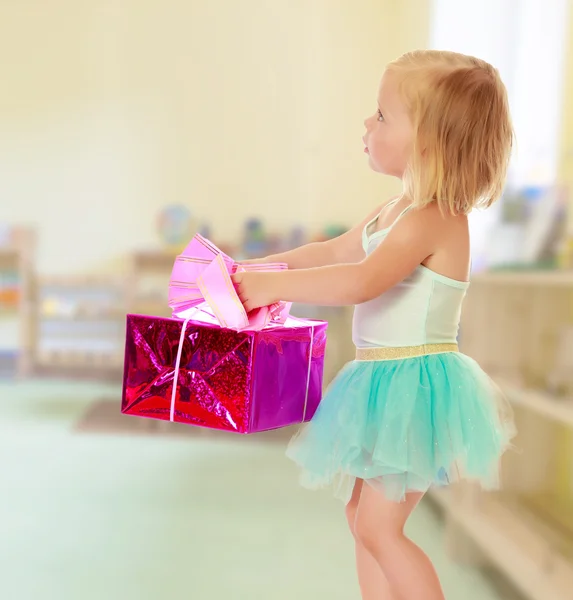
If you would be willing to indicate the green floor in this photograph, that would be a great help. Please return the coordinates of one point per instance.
(127, 517)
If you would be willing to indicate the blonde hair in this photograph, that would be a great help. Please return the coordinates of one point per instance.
(463, 132)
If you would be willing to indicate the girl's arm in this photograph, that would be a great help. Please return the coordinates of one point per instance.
(346, 248)
(414, 238)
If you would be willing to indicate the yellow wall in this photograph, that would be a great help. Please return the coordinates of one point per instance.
(110, 110)
(118, 107)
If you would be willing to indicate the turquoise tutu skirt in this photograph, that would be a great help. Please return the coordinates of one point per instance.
(404, 426)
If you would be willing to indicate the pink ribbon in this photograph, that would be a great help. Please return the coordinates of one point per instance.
(201, 278)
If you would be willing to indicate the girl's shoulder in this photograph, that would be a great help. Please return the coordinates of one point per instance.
(429, 227)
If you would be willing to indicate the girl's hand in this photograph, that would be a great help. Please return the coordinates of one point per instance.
(255, 289)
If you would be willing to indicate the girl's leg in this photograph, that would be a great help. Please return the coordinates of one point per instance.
(379, 527)
(373, 582)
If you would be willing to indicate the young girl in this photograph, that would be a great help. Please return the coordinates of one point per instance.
(411, 411)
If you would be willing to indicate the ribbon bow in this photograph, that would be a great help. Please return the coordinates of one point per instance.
(201, 278)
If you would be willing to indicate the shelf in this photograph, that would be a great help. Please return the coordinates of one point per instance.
(83, 282)
(118, 316)
(9, 252)
(79, 359)
(81, 320)
(154, 260)
(517, 324)
(17, 294)
(553, 516)
(526, 278)
(518, 550)
(554, 408)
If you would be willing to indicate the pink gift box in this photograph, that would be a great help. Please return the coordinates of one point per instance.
(213, 365)
(242, 381)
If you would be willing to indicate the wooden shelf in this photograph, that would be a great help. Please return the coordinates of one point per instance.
(526, 278)
(81, 318)
(553, 517)
(71, 282)
(507, 539)
(551, 407)
(153, 260)
(18, 255)
(517, 324)
(9, 254)
(89, 309)
(76, 358)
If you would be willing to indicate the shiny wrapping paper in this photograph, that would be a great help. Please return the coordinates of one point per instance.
(242, 381)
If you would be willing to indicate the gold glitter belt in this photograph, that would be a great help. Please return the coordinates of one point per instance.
(403, 352)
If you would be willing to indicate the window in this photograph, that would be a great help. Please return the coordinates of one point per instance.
(526, 41)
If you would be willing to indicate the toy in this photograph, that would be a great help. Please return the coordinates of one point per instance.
(254, 239)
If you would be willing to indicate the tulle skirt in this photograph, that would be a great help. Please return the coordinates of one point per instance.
(404, 426)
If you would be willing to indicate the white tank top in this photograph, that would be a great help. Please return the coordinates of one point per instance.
(424, 308)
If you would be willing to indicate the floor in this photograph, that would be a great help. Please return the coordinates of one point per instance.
(116, 516)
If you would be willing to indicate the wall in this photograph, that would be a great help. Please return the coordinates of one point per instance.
(111, 110)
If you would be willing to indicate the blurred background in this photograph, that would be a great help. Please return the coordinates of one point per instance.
(125, 127)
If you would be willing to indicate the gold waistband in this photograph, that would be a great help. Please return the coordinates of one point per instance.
(403, 352)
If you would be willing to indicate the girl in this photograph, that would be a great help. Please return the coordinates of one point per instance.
(411, 411)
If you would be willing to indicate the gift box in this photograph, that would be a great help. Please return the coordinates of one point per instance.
(259, 372)
(243, 381)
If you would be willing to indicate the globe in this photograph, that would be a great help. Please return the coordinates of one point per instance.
(175, 225)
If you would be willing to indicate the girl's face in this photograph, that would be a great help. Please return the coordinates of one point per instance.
(389, 131)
